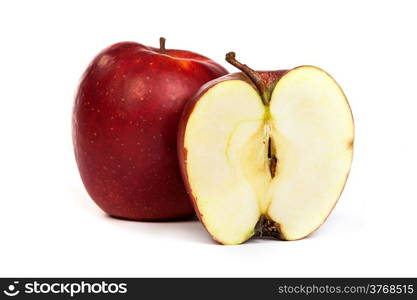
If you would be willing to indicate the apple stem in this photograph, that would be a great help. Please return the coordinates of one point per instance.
(162, 45)
(252, 74)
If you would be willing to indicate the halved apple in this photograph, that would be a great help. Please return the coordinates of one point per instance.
(266, 153)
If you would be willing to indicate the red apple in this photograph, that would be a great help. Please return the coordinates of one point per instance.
(125, 120)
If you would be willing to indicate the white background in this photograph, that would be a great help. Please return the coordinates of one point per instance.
(50, 227)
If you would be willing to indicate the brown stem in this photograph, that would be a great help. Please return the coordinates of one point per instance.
(162, 45)
(252, 74)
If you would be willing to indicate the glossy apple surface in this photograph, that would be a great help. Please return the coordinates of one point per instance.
(125, 120)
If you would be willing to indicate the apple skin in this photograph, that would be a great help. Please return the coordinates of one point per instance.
(270, 78)
(124, 127)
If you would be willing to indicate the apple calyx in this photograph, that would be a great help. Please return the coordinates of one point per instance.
(267, 228)
(162, 49)
(265, 94)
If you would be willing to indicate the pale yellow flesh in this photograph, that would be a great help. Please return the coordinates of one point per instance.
(218, 131)
(311, 125)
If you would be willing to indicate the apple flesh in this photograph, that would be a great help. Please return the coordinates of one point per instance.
(125, 120)
(266, 153)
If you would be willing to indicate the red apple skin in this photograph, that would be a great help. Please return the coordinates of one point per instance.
(270, 79)
(124, 128)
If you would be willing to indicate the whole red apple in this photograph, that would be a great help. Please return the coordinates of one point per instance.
(125, 120)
